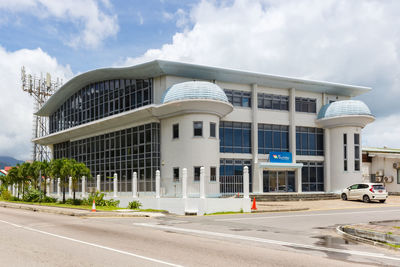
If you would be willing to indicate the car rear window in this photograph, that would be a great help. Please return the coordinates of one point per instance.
(378, 187)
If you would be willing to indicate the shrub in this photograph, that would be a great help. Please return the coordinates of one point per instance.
(48, 199)
(72, 201)
(33, 195)
(100, 201)
(6, 195)
(134, 205)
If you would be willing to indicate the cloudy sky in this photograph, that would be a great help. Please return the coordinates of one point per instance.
(355, 42)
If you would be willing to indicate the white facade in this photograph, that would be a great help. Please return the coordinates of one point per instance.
(382, 165)
(326, 171)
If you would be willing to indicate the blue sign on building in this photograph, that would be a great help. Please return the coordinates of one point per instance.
(280, 157)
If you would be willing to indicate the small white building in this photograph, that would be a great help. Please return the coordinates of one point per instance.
(382, 165)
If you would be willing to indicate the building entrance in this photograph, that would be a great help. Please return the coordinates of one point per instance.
(279, 181)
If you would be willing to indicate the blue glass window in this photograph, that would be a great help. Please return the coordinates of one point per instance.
(99, 100)
(312, 176)
(273, 138)
(238, 98)
(309, 141)
(269, 101)
(235, 137)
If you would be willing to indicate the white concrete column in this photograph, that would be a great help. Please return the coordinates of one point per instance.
(70, 187)
(157, 184)
(245, 182)
(184, 183)
(58, 187)
(13, 190)
(51, 186)
(83, 186)
(327, 160)
(47, 186)
(98, 188)
(115, 184)
(202, 183)
(298, 180)
(134, 185)
(292, 123)
(257, 183)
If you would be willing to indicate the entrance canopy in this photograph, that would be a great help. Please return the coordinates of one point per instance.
(280, 166)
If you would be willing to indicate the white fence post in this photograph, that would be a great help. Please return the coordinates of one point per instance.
(158, 184)
(58, 187)
(70, 187)
(115, 184)
(134, 185)
(83, 186)
(202, 183)
(184, 183)
(246, 182)
(98, 182)
(47, 186)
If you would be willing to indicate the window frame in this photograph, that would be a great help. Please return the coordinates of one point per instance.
(177, 131)
(195, 177)
(194, 128)
(213, 177)
(213, 125)
(175, 179)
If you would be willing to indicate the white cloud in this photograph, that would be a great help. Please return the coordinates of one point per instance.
(17, 106)
(383, 132)
(355, 42)
(92, 24)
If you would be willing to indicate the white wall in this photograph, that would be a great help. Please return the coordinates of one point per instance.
(188, 151)
(340, 179)
(386, 164)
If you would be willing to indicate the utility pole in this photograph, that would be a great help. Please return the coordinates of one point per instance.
(40, 89)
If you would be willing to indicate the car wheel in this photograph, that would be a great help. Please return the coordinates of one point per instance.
(366, 198)
(382, 201)
(344, 196)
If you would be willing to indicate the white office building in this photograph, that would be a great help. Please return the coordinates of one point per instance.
(295, 135)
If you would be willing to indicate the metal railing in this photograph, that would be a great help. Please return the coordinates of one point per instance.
(231, 184)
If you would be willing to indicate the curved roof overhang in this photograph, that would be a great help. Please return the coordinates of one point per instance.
(348, 120)
(161, 67)
(132, 118)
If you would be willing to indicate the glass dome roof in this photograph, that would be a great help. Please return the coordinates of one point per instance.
(344, 108)
(194, 90)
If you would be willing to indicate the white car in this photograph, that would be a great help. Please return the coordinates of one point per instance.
(365, 192)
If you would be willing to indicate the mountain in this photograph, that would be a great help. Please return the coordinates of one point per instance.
(8, 161)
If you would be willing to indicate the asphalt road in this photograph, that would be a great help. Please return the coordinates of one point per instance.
(269, 239)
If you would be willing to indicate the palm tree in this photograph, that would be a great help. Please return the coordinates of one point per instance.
(44, 167)
(12, 176)
(23, 176)
(79, 170)
(65, 172)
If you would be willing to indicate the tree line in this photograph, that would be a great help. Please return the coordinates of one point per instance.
(27, 174)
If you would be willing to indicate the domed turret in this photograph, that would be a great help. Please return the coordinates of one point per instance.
(345, 113)
(344, 108)
(194, 90)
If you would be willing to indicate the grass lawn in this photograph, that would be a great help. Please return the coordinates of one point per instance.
(100, 208)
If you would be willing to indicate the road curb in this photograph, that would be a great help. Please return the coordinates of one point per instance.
(280, 210)
(345, 235)
(69, 212)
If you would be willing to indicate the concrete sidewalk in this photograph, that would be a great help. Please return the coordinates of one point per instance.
(382, 233)
(276, 206)
(79, 212)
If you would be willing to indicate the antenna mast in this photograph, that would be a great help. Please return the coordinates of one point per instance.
(40, 89)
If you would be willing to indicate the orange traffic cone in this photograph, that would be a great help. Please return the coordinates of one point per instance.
(94, 206)
(254, 207)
